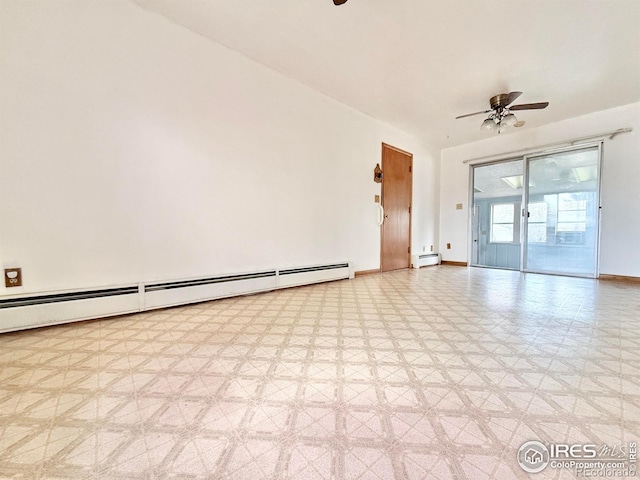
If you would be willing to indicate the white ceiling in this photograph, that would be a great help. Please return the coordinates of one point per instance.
(417, 64)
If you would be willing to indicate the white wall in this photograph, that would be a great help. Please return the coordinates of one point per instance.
(134, 150)
(620, 227)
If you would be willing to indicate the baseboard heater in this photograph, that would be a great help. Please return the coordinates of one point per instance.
(55, 308)
(52, 309)
(425, 260)
(308, 275)
(168, 294)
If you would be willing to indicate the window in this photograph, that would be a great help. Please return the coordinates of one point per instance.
(502, 222)
(572, 212)
(571, 224)
(537, 224)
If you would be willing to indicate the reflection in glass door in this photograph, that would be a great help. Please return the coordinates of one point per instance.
(562, 217)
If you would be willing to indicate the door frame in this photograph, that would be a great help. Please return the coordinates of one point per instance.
(410, 155)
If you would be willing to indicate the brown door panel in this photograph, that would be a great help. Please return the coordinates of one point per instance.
(396, 200)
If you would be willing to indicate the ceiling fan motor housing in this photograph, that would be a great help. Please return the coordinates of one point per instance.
(503, 99)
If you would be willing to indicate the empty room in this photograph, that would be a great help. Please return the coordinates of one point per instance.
(319, 239)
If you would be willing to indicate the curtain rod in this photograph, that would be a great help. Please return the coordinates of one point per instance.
(537, 149)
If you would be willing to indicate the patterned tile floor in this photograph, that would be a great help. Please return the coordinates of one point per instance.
(432, 374)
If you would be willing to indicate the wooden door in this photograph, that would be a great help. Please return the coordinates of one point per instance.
(396, 201)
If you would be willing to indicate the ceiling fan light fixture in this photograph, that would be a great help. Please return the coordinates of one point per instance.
(509, 120)
(489, 124)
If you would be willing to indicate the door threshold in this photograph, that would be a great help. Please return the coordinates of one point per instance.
(496, 268)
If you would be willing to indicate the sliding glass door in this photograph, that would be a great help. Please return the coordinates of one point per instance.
(497, 202)
(562, 215)
(558, 230)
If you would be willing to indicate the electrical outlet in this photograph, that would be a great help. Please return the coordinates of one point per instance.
(458, 206)
(431, 250)
(448, 246)
(376, 198)
(12, 277)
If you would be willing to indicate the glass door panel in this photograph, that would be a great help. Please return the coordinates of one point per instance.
(495, 223)
(562, 216)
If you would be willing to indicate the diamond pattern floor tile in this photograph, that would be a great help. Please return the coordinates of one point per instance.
(440, 373)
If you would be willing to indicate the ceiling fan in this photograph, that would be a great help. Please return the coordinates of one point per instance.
(339, 2)
(500, 116)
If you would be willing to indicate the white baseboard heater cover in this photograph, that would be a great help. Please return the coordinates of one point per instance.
(307, 275)
(169, 294)
(41, 310)
(425, 260)
(49, 309)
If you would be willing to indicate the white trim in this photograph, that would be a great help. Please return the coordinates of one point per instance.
(539, 150)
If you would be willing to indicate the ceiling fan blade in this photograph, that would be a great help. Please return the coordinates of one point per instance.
(530, 106)
(510, 97)
(472, 114)
(503, 99)
(339, 2)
